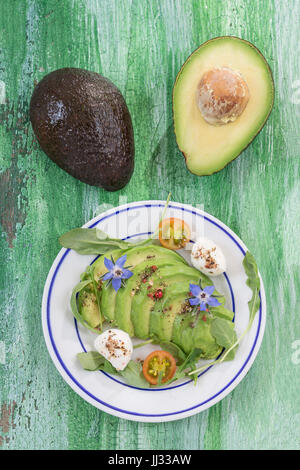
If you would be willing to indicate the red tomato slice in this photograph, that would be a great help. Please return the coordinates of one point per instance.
(159, 364)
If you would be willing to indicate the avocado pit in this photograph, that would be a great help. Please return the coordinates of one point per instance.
(222, 95)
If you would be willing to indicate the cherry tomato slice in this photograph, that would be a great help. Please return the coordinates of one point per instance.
(174, 233)
(159, 364)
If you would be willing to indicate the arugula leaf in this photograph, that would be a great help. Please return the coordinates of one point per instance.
(109, 368)
(253, 281)
(92, 361)
(224, 333)
(222, 312)
(133, 375)
(188, 363)
(191, 359)
(74, 307)
(191, 362)
(91, 241)
(173, 349)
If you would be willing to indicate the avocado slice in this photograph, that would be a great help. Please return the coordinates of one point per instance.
(82, 123)
(145, 309)
(177, 290)
(208, 147)
(135, 256)
(125, 295)
(88, 306)
(162, 317)
(193, 332)
(87, 301)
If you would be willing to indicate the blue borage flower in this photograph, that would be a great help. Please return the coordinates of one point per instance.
(203, 297)
(117, 273)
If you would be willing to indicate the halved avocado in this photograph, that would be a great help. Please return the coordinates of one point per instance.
(208, 147)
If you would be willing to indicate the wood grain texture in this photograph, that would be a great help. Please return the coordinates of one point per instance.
(140, 45)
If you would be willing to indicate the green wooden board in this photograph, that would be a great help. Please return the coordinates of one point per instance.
(140, 45)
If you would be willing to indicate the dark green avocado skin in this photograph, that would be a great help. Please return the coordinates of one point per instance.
(82, 123)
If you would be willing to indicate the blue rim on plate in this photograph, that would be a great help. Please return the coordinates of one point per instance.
(81, 387)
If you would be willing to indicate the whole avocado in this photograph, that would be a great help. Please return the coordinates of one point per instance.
(82, 123)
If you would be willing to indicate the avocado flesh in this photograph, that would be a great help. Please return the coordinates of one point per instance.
(144, 309)
(132, 310)
(189, 332)
(208, 148)
(87, 299)
(135, 256)
(162, 317)
(89, 308)
(82, 123)
(142, 305)
(139, 259)
(124, 296)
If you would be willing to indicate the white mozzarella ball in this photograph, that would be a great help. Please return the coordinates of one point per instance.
(208, 257)
(116, 346)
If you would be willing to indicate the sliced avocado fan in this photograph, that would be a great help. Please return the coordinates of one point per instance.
(137, 309)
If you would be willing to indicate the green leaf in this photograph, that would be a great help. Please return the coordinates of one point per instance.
(109, 368)
(188, 363)
(91, 360)
(223, 332)
(91, 241)
(173, 349)
(140, 345)
(133, 375)
(222, 312)
(191, 359)
(253, 282)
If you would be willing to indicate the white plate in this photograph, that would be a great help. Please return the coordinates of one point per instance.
(65, 338)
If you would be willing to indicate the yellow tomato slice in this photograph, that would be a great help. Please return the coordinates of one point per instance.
(174, 233)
